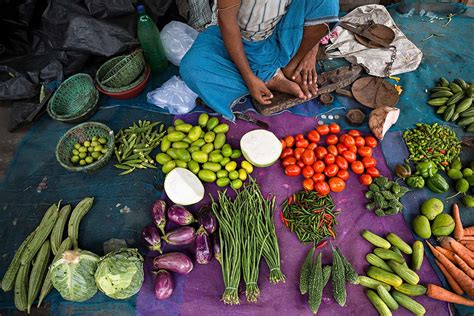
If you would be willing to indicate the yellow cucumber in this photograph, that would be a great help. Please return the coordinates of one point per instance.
(399, 243)
(409, 303)
(375, 240)
(378, 303)
(372, 283)
(384, 276)
(405, 273)
(411, 290)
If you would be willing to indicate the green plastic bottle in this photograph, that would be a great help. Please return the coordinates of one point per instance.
(150, 40)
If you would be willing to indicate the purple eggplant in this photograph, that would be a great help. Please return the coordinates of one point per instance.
(151, 237)
(158, 215)
(180, 215)
(164, 285)
(217, 247)
(203, 246)
(174, 261)
(180, 236)
(207, 219)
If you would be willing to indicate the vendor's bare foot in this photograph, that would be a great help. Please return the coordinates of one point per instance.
(280, 83)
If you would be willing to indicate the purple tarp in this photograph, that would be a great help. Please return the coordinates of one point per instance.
(201, 290)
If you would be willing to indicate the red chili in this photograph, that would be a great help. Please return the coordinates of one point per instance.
(321, 244)
(442, 151)
(290, 199)
(283, 219)
(332, 233)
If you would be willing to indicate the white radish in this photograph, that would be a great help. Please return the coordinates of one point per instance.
(183, 187)
(260, 147)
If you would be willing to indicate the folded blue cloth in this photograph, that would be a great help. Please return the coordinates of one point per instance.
(208, 70)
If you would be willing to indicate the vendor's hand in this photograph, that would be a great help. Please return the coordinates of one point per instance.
(259, 90)
(306, 69)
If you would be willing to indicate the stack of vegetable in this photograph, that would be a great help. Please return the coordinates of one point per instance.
(316, 162)
(134, 145)
(314, 277)
(390, 276)
(455, 259)
(454, 102)
(88, 151)
(182, 235)
(309, 216)
(464, 180)
(27, 273)
(202, 149)
(385, 197)
(432, 210)
(246, 233)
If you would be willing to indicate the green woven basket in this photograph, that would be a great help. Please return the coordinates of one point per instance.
(120, 72)
(79, 134)
(75, 100)
(132, 85)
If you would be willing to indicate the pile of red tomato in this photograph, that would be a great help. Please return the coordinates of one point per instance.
(325, 163)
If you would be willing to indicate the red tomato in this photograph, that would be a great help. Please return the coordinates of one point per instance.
(354, 133)
(308, 184)
(373, 172)
(283, 144)
(357, 167)
(371, 141)
(343, 174)
(352, 148)
(341, 162)
(337, 184)
(322, 129)
(340, 148)
(332, 140)
(307, 172)
(308, 157)
(365, 151)
(318, 176)
(312, 146)
(286, 153)
(334, 128)
(359, 141)
(292, 170)
(365, 179)
(369, 162)
(331, 170)
(299, 136)
(322, 188)
(302, 143)
(298, 152)
(288, 161)
(329, 159)
(290, 141)
(342, 137)
(349, 141)
(300, 164)
(349, 156)
(320, 152)
(314, 136)
(333, 150)
(318, 166)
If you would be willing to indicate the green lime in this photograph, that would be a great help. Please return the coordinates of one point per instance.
(82, 162)
(90, 149)
(95, 155)
(75, 152)
(94, 143)
(87, 143)
(233, 175)
(95, 138)
(104, 151)
(82, 155)
(89, 159)
(467, 172)
(77, 145)
(82, 149)
(75, 159)
(431, 208)
(102, 140)
(98, 148)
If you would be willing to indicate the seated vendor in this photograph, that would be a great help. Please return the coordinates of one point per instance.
(258, 46)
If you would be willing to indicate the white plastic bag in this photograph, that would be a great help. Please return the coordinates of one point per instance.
(177, 39)
(173, 95)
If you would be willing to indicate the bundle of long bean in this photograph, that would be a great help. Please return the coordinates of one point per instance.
(133, 145)
(229, 218)
(432, 142)
(266, 231)
(309, 216)
(251, 248)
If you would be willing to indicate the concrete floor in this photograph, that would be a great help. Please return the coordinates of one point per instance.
(8, 141)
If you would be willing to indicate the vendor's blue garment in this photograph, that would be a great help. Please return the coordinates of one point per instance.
(208, 70)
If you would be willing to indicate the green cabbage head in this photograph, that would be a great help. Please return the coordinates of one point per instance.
(120, 273)
(73, 275)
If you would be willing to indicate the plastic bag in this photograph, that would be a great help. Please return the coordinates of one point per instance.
(173, 95)
(177, 39)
